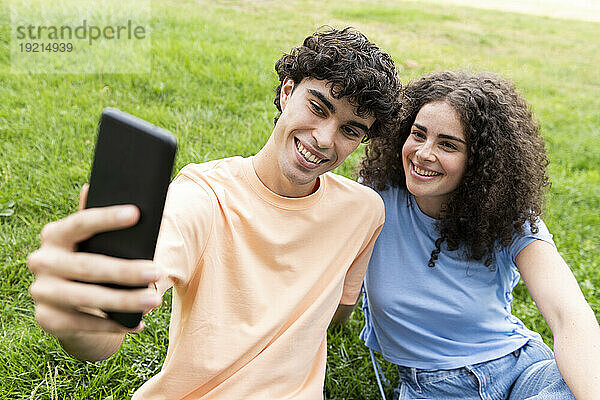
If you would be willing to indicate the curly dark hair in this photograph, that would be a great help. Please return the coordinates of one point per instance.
(505, 176)
(355, 67)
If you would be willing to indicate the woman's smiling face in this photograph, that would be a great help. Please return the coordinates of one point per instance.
(434, 156)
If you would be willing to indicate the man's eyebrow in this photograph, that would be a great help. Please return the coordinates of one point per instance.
(359, 125)
(331, 108)
(450, 137)
(321, 97)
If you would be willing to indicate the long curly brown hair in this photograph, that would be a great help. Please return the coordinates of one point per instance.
(505, 176)
(355, 67)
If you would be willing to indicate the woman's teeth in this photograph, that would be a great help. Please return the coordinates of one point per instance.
(425, 173)
(308, 156)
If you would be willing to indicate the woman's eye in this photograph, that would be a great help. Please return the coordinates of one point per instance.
(449, 145)
(418, 135)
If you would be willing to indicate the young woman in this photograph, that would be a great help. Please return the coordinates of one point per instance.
(463, 180)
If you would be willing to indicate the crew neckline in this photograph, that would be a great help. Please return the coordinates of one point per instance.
(412, 202)
(428, 223)
(288, 203)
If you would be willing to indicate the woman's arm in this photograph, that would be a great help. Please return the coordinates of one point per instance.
(573, 323)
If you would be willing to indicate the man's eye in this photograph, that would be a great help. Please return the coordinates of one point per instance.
(350, 131)
(316, 108)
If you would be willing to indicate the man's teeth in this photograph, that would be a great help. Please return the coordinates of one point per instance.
(308, 155)
(425, 173)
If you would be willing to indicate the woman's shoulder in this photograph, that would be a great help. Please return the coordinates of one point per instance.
(528, 234)
(536, 229)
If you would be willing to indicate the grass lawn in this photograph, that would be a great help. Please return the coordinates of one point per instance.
(210, 82)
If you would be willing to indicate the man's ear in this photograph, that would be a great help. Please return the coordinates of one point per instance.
(287, 87)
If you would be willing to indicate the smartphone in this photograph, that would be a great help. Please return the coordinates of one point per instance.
(133, 163)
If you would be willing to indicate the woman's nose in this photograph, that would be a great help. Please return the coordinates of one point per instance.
(425, 152)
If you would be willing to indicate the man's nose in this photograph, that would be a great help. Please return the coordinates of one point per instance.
(324, 135)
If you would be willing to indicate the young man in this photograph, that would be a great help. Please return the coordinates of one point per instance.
(261, 251)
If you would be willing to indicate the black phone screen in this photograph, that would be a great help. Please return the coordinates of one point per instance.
(133, 163)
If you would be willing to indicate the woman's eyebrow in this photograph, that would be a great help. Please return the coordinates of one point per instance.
(450, 137)
(421, 127)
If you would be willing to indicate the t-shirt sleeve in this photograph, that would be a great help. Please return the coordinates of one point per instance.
(185, 229)
(523, 240)
(356, 272)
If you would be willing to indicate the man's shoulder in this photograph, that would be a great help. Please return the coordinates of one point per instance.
(342, 183)
(216, 172)
(353, 191)
(195, 170)
(196, 182)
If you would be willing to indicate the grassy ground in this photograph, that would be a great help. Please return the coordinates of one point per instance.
(211, 84)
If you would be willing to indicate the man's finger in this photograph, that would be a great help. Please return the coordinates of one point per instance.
(59, 322)
(93, 268)
(74, 295)
(86, 223)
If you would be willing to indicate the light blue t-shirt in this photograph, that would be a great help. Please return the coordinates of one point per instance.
(455, 314)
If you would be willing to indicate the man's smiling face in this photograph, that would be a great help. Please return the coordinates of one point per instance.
(314, 134)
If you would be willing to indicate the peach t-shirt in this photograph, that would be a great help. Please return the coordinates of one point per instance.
(257, 278)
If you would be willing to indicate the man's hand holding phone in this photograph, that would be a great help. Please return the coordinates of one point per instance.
(68, 308)
(94, 274)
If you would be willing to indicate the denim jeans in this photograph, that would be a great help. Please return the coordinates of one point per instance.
(527, 373)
